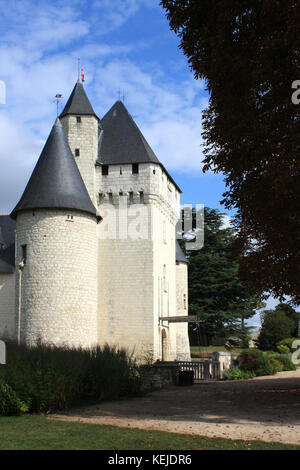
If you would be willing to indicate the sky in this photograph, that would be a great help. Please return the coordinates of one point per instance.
(123, 45)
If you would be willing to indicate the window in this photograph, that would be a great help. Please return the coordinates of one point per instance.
(110, 198)
(104, 170)
(78, 119)
(154, 172)
(24, 253)
(131, 197)
(120, 171)
(184, 301)
(70, 218)
(135, 168)
(77, 152)
(141, 197)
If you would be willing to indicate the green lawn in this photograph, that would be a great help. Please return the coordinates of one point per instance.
(204, 351)
(36, 432)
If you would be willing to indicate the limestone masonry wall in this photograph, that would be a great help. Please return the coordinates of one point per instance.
(84, 137)
(59, 280)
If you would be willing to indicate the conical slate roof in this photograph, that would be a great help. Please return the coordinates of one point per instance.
(78, 103)
(180, 256)
(7, 244)
(122, 141)
(56, 181)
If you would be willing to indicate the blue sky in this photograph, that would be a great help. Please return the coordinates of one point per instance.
(123, 44)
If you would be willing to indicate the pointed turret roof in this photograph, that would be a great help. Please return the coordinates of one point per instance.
(7, 244)
(56, 181)
(123, 142)
(78, 103)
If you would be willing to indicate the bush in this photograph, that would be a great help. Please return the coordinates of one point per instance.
(264, 363)
(235, 373)
(10, 404)
(285, 362)
(283, 349)
(48, 378)
(287, 342)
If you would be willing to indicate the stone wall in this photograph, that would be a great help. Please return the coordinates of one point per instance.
(84, 137)
(7, 306)
(137, 281)
(183, 352)
(59, 280)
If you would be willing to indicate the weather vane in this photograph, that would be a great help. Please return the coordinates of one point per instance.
(58, 97)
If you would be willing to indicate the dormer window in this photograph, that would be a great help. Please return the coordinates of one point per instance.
(70, 218)
(78, 119)
(77, 152)
(104, 170)
(135, 168)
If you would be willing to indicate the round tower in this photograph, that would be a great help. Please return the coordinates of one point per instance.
(56, 252)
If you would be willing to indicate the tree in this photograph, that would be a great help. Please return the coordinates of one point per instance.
(275, 327)
(290, 313)
(248, 52)
(216, 294)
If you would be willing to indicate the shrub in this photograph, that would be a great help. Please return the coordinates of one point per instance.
(49, 378)
(283, 349)
(286, 363)
(287, 342)
(235, 373)
(10, 403)
(264, 363)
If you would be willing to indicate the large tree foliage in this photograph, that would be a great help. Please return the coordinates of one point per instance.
(248, 51)
(216, 294)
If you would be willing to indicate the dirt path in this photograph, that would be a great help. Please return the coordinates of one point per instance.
(265, 408)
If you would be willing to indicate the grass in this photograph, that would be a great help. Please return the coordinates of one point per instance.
(205, 351)
(39, 433)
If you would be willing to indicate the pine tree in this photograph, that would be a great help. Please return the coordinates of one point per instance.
(216, 294)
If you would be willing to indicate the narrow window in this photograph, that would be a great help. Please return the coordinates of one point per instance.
(78, 119)
(110, 198)
(104, 170)
(100, 198)
(135, 168)
(70, 218)
(184, 301)
(120, 171)
(154, 172)
(24, 253)
(141, 197)
(77, 152)
(131, 197)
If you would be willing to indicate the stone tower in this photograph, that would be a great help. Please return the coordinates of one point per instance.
(82, 128)
(137, 270)
(56, 252)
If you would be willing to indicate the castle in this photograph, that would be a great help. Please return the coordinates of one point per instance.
(89, 255)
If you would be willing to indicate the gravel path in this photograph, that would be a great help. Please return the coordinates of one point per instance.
(264, 408)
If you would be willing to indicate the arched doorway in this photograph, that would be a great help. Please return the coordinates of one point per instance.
(164, 346)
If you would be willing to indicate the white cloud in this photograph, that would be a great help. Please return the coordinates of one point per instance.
(37, 63)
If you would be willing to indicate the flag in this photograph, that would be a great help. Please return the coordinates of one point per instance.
(82, 76)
